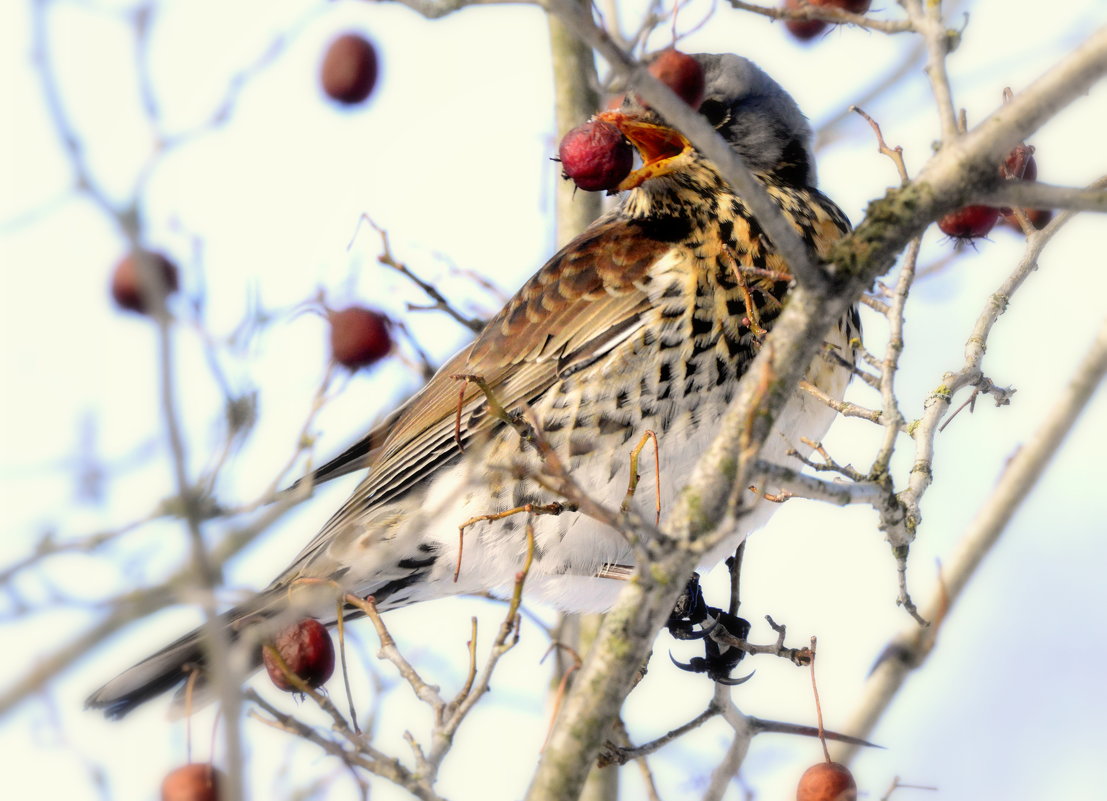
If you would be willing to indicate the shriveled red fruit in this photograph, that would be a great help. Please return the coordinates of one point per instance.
(192, 782)
(1039, 219)
(803, 29)
(852, 6)
(969, 222)
(827, 781)
(349, 70)
(359, 336)
(595, 156)
(681, 73)
(126, 283)
(1019, 164)
(307, 649)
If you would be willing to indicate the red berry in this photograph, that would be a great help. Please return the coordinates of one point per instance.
(852, 6)
(1020, 164)
(307, 649)
(969, 222)
(595, 156)
(803, 29)
(349, 69)
(827, 781)
(192, 782)
(806, 29)
(127, 287)
(359, 336)
(1039, 219)
(681, 73)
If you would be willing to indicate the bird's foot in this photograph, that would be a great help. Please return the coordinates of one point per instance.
(693, 619)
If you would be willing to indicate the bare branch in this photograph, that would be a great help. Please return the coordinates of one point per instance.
(910, 649)
(1029, 194)
(827, 14)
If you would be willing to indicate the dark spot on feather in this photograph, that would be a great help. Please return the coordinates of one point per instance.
(665, 229)
(413, 564)
(701, 326)
(578, 446)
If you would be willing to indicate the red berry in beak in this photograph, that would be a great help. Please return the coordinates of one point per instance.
(595, 156)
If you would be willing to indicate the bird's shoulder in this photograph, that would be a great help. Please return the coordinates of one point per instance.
(589, 296)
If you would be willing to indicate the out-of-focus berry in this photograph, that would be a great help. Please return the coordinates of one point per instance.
(126, 283)
(681, 73)
(803, 29)
(193, 782)
(359, 336)
(349, 70)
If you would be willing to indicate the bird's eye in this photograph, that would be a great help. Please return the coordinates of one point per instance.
(715, 112)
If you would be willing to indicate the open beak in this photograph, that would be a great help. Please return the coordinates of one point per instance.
(663, 150)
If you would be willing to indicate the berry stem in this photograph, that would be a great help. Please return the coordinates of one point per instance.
(818, 706)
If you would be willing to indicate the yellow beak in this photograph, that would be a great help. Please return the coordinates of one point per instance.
(663, 150)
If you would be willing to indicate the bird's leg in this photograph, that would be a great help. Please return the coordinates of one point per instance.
(690, 611)
(632, 484)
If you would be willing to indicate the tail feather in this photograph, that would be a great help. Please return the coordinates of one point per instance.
(154, 675)
(172, 665)
(248, 625)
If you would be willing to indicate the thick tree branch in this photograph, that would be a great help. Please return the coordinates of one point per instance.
(575, 100)
(706, 512)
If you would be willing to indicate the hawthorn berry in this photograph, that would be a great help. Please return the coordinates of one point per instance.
(126, 284)
(852, 6)
(1021, 166)
(196, 781)
(827, 781)
(802, 29)
(349, 70)
(681, 73)
(1038, 218)
(969, 222)
(359, 336)
(306, 649)
(595, 156)
(806, 29)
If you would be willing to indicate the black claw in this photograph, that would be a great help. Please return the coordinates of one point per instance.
(730, 682)
(696, 664)
(691, 611)
(685, 631)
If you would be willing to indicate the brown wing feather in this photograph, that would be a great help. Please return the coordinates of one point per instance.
(589, 287)
(564, 316)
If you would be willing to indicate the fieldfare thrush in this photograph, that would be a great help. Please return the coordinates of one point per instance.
(646, 321)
